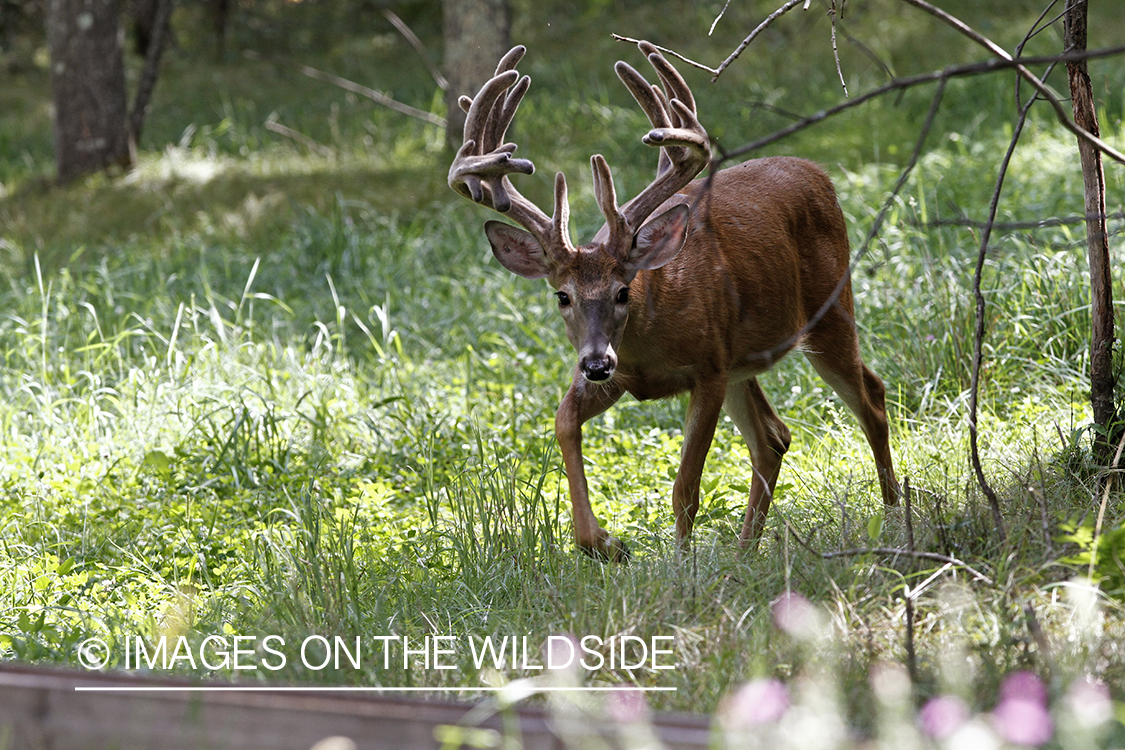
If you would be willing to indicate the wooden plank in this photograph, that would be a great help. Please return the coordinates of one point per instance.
(40, 709)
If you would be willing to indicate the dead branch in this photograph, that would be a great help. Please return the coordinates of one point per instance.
(898, 84)
(287, 132)
(888, 552)
(376, 96)
(716, 72)
(978, 294)
(1036, 83)
(420, 48)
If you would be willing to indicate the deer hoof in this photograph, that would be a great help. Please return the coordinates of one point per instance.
(608, 549)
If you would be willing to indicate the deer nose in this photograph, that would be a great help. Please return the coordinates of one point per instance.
(597, 369)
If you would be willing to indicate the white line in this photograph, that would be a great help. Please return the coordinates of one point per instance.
(344, 688)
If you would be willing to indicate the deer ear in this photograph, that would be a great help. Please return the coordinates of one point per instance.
(517, 250)
(659, 240)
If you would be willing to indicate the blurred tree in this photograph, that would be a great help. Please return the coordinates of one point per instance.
(93, 128)
(87, 86)
(477, 34)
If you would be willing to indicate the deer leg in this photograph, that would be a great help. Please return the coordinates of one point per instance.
(699, 429)
(583, 401)
(768, 439)
(833, 350)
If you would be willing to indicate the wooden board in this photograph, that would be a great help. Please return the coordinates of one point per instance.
(40, 709)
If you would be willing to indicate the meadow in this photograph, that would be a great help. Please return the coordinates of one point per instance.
(254, 389)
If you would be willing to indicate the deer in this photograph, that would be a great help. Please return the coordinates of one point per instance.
(694, 285)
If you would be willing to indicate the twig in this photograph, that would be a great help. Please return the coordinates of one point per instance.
(1011, 225)
(978, 333)
(835, 50)
(898, 552)
(304, 140)
(376, 96)
(718, 18)
(761, 27)
(911, 658)
(420, 48)
(1038, 85)
(889, 551)
(954, 71)
(1104, 503)
(666, 51)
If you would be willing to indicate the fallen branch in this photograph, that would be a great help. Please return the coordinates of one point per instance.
(376, 96)
(420, 48)
(888, 552)
(304, 140)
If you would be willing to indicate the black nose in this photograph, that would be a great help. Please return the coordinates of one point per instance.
(598, 369)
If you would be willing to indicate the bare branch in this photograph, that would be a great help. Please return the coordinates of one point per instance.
(761, 27)
(835, 50)
(376, 96)
(718, 18)
(665, 51)
(978, 333)
(954, 71)
(420, 48)
(1038, 85)
(287, 132)
(887, 552)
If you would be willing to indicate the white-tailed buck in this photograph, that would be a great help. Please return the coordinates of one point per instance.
(734, 271)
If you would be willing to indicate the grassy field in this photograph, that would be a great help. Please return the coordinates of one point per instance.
(253, 389)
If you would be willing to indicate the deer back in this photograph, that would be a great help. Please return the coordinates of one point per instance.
(766, 247)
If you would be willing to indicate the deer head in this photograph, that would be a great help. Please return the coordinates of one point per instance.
(592, 282)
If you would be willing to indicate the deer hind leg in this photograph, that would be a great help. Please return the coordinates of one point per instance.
(768, 439)
(833, 350)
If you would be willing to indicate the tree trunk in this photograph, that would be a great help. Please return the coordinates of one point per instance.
(87, 86)
(477, 34)
(1102, 378)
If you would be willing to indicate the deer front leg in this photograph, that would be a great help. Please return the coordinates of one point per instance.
(583, 401)
(699, 429)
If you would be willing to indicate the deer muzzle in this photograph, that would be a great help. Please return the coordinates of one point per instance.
(599, 368)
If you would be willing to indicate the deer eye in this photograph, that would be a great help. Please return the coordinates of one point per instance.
(623, 295)
(564, 299)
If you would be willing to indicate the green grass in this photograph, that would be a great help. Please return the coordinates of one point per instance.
(249, 390)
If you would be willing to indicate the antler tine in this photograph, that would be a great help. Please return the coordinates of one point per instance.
(644, 93)
(501, 117)
(606, 195)
(483, 163)
(474, 163)
(510, 59)
(674, 83)
(684, 146)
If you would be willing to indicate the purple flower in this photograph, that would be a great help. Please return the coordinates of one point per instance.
(627, 706)
(760, 701)
(942, 716)
(1024, 686)
(796, 615)
(1021, 716)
